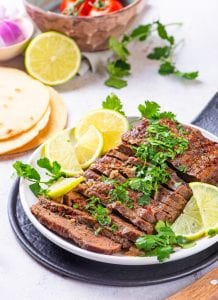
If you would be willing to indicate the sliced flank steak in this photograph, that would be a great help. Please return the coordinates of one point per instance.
(128, 219)
(80, 234)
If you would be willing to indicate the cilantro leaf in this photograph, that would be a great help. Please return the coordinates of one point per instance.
(149, 110)
(118, 48)
(141, 32)
(166, 68)
(114, 103)
(37, 189)
(54, 169)
(190, 75)
(116, 82)
(118, 68)
(162, 243)
(45, 164)
(26, 171)
(161, 29)
(167, 115)
(160, 52)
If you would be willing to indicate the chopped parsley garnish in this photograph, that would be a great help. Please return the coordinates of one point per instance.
(162, 243)
(161, 145)
(28, 172)
(98, 211)
(182, 168)
(119, 67)
(120, 193)
(114, 227)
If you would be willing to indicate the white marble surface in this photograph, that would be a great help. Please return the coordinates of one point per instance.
(20, 276)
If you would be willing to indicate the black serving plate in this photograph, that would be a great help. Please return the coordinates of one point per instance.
(70, 265)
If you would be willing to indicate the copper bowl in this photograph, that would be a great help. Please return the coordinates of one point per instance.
(90, 33)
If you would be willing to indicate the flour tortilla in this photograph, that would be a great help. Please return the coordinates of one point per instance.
(57, 122)
(23, 102)
(25, 137)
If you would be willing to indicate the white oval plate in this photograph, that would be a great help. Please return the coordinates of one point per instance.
(28, 199)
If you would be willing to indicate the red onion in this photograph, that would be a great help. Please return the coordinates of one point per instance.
(10, 33)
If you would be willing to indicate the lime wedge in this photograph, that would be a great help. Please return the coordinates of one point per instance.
(89, 147)
(189, 223)
(60, 149)
(63, 186)
(52, 58)
(206, 196)
(109, 123)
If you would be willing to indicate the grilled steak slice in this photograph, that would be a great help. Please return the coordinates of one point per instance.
(117, 154)
(200, 160)
(85, 218)
(73, 198)
(124, 229)
(90, 174)
(101, 190)
(68, 212)
(137, 135)
(175, 183)
(108, 165)
(126, 149)
(82, 235)
(170, 198)
(166, 196)
(108, 171)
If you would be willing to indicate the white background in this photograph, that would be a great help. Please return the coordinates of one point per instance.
(20, 276)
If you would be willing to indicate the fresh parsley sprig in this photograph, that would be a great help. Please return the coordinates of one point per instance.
(119, 68)
(113, 102)
(162, 243)
(28, 172)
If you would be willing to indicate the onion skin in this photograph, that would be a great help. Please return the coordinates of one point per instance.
(10, 33)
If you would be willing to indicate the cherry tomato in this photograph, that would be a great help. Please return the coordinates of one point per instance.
(83, 9)
(108, 7)
(66, 4)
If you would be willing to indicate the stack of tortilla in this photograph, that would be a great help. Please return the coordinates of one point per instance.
(30, 112)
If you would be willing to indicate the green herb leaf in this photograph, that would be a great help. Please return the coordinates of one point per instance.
(149, 110)
(162, 243)
(114, 227)
(37, 189)
(113, 102)
(182, 168)
(118, 48)
(190, 75)
(167, 115)
(160, 52)
(141, 32)
(98, 211)
(161, 29)
(116, 82)
(118, 68)
(26, 171)
(166, 68)
(119, 193)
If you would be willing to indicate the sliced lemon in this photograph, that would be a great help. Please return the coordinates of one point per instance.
(60, 149)
(189, 223)
(206, 196)
(52, 58)
(89, 147)
(63, 186)
(111, 125)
